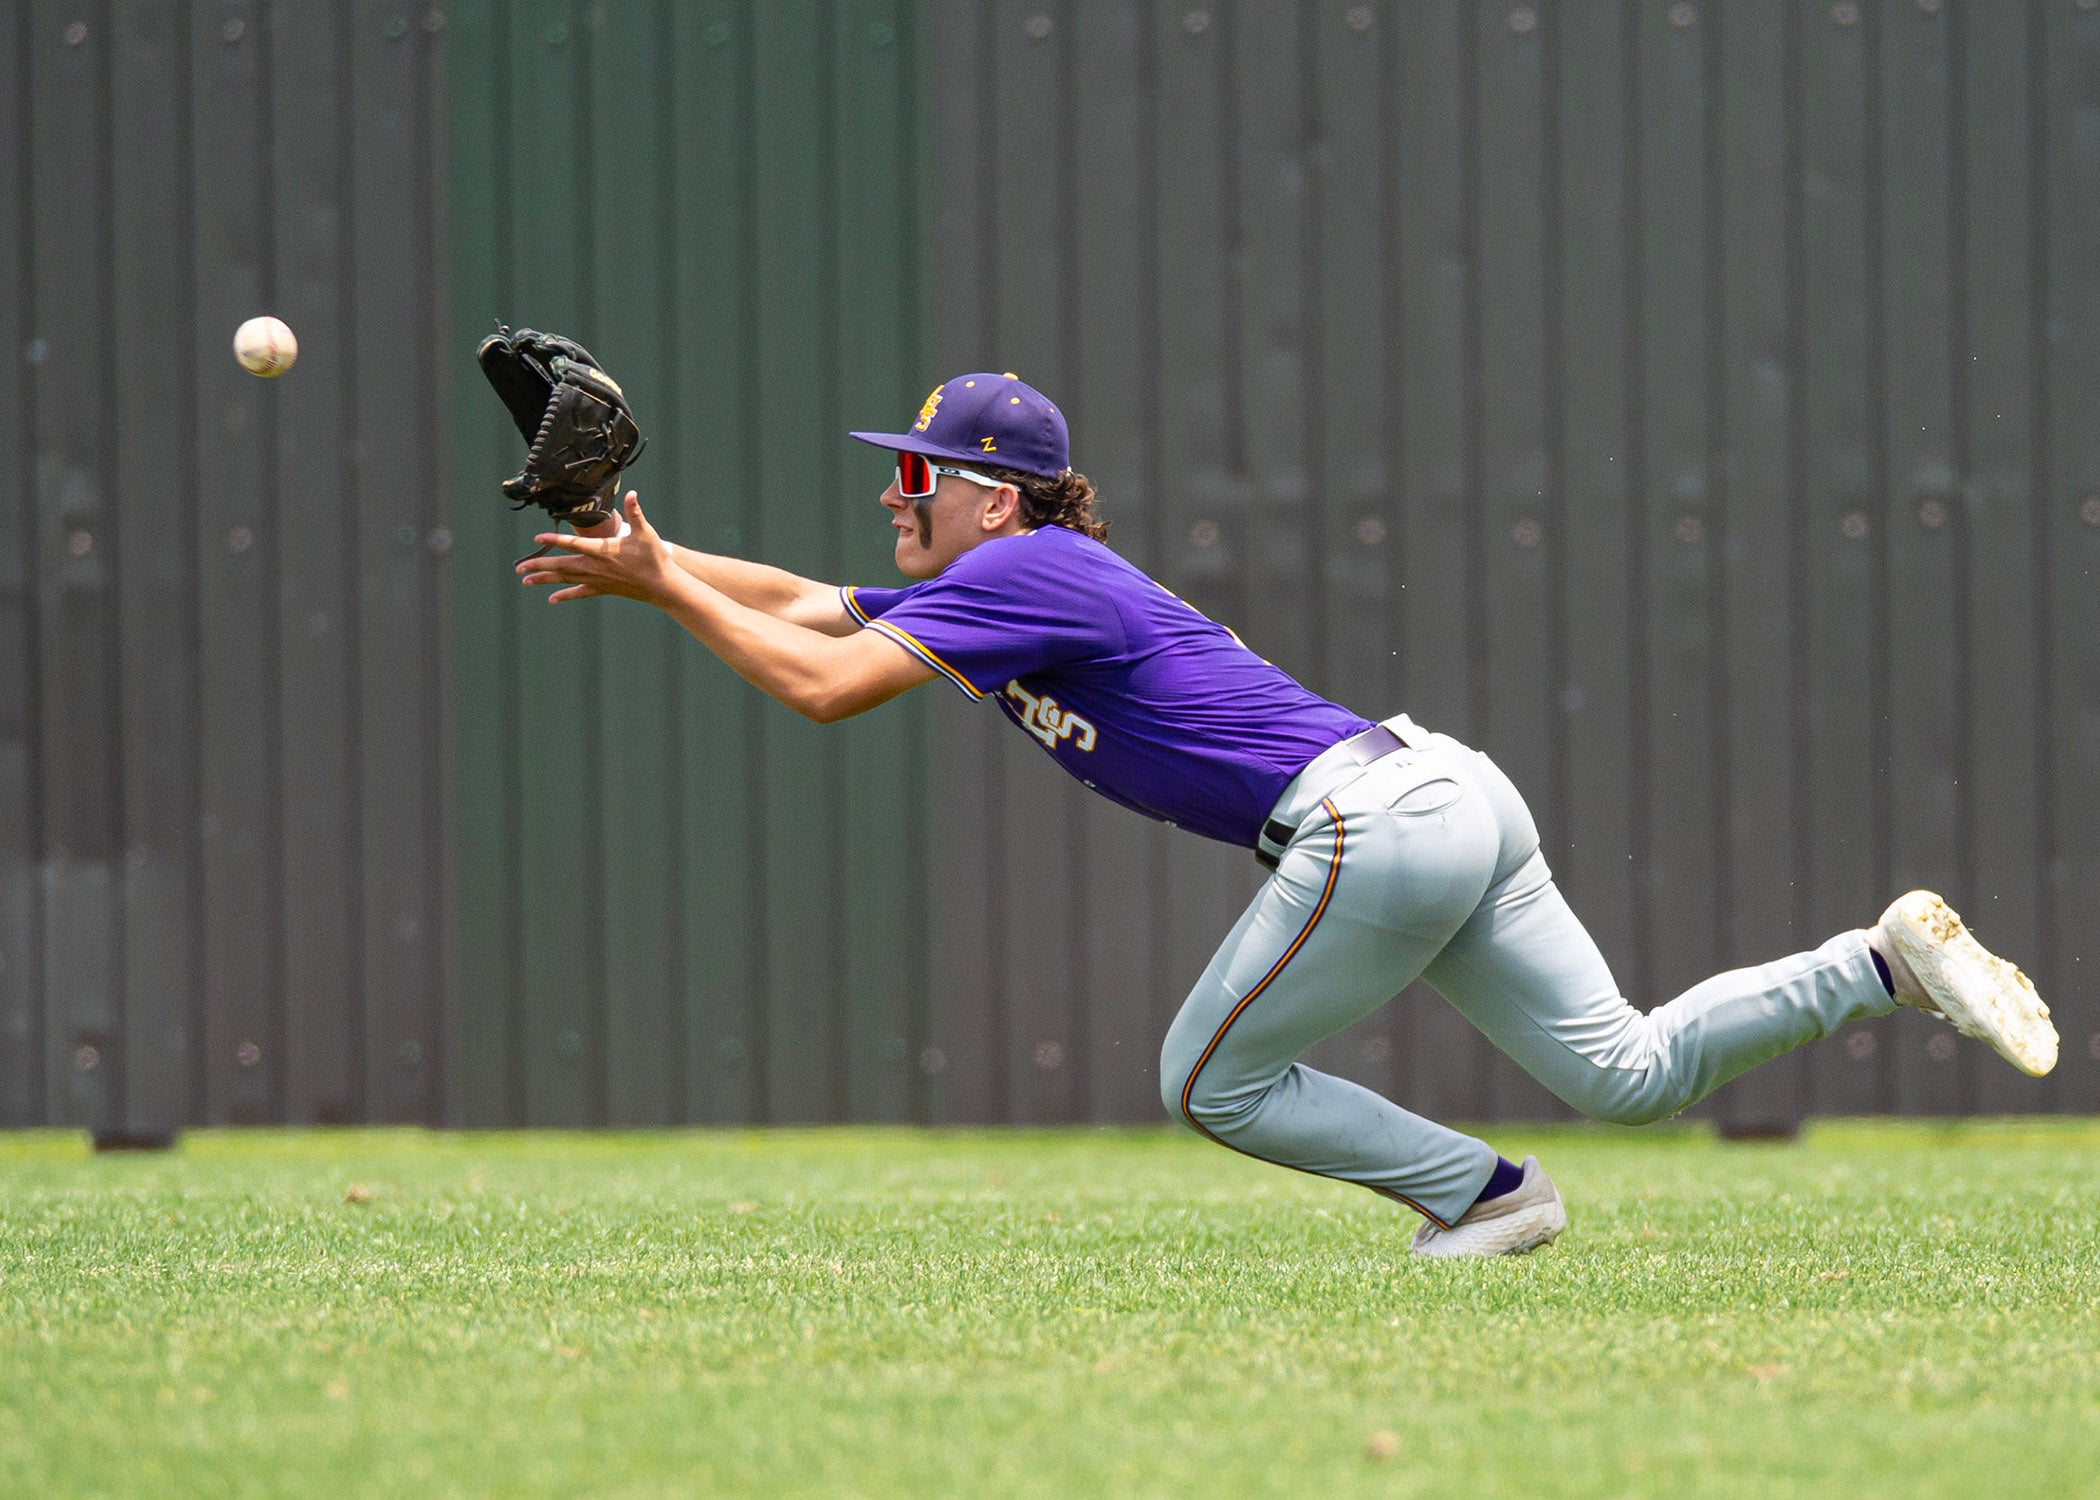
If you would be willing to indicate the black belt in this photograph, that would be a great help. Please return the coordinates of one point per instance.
(1374, 743)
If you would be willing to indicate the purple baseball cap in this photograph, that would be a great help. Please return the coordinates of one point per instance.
(986, 419)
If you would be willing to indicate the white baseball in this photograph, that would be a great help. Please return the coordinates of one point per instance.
(265, 346)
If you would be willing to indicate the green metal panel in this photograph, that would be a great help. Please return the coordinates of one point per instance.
(721, 972)
(483, 1077)
(630, 83)
(677, 900)
(877, 199)
(794, 398)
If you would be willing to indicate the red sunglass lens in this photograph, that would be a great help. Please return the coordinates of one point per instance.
(914, 475)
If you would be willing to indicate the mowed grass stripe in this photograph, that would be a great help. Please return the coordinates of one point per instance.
(1879, 1309)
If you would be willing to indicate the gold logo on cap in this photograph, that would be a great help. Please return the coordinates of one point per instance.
(926, 412)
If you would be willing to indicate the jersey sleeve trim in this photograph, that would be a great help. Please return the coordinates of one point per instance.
(905, 639)
(846, 593)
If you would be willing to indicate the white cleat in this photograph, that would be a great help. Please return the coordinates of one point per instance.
(1524, 1218)
(1963, 982)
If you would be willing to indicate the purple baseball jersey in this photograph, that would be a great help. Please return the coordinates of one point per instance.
(1129, 687)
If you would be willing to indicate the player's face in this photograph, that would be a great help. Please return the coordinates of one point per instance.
(933, 532)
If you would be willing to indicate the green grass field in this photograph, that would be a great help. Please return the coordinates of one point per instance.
(1878, 1310)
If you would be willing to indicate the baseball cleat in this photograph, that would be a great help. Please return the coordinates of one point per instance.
(1524, 1218)
(1964, 983)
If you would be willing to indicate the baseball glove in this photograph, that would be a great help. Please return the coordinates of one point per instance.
(578, 429)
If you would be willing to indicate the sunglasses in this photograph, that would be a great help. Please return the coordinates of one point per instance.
(917, 475)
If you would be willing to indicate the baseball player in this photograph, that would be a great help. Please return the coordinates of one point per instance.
(1393, 852)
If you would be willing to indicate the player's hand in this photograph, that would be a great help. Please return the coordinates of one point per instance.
(635, 566)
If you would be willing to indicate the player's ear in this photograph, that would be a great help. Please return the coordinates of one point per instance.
(1005, 503)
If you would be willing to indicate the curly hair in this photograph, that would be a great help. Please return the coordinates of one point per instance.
(1065, 499)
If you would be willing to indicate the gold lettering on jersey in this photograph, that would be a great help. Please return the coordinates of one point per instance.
(932, 405)
(1041, 717)
(989, 446)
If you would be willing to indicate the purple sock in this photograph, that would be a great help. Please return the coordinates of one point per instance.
(1503, 1179)
(1881, 967)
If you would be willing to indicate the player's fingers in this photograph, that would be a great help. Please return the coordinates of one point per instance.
(635, 518)
(585, 546)
(555, 562)
(574, 591)
(541, 577)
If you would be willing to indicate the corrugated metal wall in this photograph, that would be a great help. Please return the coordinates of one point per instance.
(1689, 403)
(679, 900)
(220, 620)
(1686, 402)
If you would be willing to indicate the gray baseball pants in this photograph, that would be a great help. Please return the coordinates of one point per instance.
(1426, 864)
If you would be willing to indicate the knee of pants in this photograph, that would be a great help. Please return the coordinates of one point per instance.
(1192, 1104)
(1627, 1098)
(1170, 1086)
(1637, 1111)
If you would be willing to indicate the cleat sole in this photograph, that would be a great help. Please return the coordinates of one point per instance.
(1974, 989)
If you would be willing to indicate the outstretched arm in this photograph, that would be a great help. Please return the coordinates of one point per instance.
(819, 674)
(773, 591)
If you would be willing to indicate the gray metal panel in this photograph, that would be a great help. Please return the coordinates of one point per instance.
(1348, 477)
(404, 547)
(1680, 502)
(1762, 907)
(1515, 464)
(311, 101)
(965, 1058)
(1923, 522)
(485, 1079)
(1042, 857)
(1198, 477)
(1113, 229)
(1712, 387)
(1599, 434)
(236, 417)
(22, 1093)
(1998, 181)
(2066, 72)
(180, 751)
(155, 448)
(1840, 693)
(76, 552)
(1433, 365)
